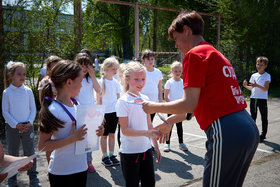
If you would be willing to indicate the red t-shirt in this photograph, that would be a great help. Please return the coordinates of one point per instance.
(206, 68)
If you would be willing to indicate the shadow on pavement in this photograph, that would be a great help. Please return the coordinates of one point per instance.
(275, 147)
(189, 157)
(94, 179)
(169, 165)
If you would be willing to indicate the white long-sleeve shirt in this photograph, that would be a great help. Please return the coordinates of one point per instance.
(18, 105)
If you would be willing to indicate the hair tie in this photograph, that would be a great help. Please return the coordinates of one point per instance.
(9, 65)
(51, 82)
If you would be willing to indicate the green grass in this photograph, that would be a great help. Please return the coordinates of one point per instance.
(274, 92)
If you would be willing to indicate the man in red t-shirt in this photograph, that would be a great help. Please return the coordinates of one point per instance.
(212, 93)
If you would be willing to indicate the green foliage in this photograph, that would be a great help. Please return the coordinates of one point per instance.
(250, 29)
(165, 70)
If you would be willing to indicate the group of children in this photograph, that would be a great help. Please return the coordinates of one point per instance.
(121, 90)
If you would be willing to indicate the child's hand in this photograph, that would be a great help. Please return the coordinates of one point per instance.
(104, 121)
(26, 127)
(153, 133)
(245, 83)
(254, 84)
(3, 176)
(20, 127)
(100, 130)
(26, 167)
(78, 134)
(158, 155)
(91, 70)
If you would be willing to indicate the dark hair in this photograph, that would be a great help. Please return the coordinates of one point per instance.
(87, 51)
(147, 53)
(262, 59)
(83, 59)
(191, 19)
(63, 70)
(52, 59)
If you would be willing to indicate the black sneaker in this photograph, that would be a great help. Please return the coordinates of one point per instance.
(262, 138)
(114, 160)
(106, 161)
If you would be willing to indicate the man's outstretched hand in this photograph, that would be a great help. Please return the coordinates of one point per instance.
(164, 129)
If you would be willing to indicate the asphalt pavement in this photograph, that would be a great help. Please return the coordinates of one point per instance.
(179, 168)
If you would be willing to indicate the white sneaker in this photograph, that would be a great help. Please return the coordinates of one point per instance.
(166, 148)
(183, 147)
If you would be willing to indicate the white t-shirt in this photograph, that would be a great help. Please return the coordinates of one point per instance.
(43, 82)
(137, 119)
(109, 99)
(63, 161)
(260, 79)
(18, 105)
(43, 71)
(151, 87)
(175, 89)
(86, 94)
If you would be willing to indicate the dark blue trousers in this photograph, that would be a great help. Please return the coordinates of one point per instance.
(232, 141)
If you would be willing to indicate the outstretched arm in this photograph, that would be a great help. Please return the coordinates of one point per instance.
(185, 105)
(6, 160)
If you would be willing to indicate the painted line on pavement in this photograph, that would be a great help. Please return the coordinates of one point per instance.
(263, 150)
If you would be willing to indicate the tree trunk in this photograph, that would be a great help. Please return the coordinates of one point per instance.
(77, 25)
(125, 32)
(155, 29)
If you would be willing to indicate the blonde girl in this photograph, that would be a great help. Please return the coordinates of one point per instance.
(19, 111)
(86, 94)
(110, 92)
(173, 90)
(57, 126)
(136, 130)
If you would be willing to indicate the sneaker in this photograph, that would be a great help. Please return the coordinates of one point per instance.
(166, 148)
(106, 161)
(91, 168)
(183, 147)
(11, 185)
(262, 137)
(114, 160)
(35, 183)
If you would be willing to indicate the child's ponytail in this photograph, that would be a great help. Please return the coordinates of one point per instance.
(48, 122)
(63, 70)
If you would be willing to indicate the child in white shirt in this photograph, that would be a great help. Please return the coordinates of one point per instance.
(259, 85)
(19, 111)
(110, 92)
(57, 126)
(136, 130)
(86, 95)
(153, 86)
(174, 91)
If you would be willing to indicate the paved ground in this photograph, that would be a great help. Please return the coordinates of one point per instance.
(179, 168)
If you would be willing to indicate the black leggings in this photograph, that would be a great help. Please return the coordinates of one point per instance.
(179, 132)
(262, 105)
(76, 179)
(138, 167)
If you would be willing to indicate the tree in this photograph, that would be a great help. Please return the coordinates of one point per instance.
(78, 25)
